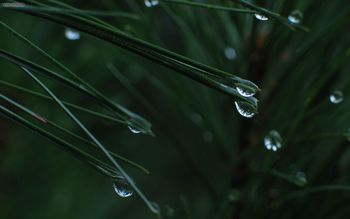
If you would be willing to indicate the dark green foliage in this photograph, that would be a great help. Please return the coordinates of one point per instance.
(161, 71)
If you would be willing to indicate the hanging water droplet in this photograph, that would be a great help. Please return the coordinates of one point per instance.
(154, 207)
(137, 124)
(336, 97)
(122, 188)
(230, 53)
(151, 3)
(295, 17)
(134, 130)
(244, 90)
(300, 178)
(245, 109)
(72, 34)
(261, 17)
(273, 141)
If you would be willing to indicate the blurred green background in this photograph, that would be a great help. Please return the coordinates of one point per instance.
(210, 162)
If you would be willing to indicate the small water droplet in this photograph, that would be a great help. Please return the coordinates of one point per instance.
(336, 97)
(245, 91)
(261, 17)
(122, 188)
(72, 34)
(230, 53)
(300, 178)
(154, 207)
(273, 141)
(151, 3)
(134, 130)
(295, 17)
(245, 109)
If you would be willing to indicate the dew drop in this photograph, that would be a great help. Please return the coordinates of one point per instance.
(336, 97)
(245, 91)
(154, 207)
(261, 17)
(151, 3)
(245, 109)
(72, 34)
(295, 17)
(122, 188)
(134, 129)
(300, 178)
(273, 141)
(230, 53)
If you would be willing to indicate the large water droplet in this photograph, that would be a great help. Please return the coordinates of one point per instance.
(300, 178)
(273, 141)
(122, 188)
(261, 17)
(230, 53)
(151, 3)
(245, 109)
(137, 124)
(295, 17)
(72, 34)
(336, 97)
(154, 207)
(244, 90)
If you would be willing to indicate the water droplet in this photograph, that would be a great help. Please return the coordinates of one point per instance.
(295, 17)
(245, 91)
(336, 97)
(261, 17)
(234, 195)
(245, 109)
(273, 141)
(122, 188)
(137, 124)
(151, 3)
(72, 34)
(154, 207)
(134, 130)
(300, 178)
(230, 53)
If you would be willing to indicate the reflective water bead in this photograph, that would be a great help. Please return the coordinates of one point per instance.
(300, 178)
(122, 188)
(295, 17)
(273, 141)
(151, 3)
(261, 17)
(134, 129)
(245, 109)
(245, 91)
(230, 53)
(336, 97)
(72, 34)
